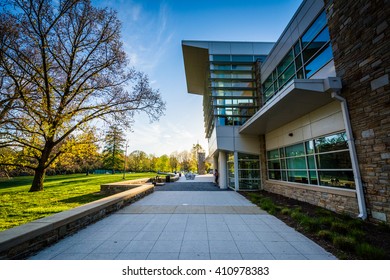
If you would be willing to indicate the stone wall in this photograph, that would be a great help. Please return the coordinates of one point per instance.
(113, 188)
(360, 36)
(342, 202)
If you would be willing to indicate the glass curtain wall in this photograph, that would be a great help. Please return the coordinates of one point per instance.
(309, 54)
(232, 97)
(323, 161)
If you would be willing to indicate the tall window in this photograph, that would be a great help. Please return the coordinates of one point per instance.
(248, 171)
(323, 161)
(232, 97)
(309, 54)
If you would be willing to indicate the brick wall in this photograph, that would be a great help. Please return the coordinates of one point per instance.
(360, 32)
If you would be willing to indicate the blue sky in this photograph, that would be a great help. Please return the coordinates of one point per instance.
(152, 33)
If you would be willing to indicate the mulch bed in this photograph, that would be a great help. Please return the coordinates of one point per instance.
(375, 235)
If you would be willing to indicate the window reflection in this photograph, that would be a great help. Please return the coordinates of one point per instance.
(316, 45)
(322, 161)
(318, 24)
(318, 61)
(309, 54)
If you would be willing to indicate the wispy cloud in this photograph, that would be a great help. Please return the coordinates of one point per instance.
(147, 34)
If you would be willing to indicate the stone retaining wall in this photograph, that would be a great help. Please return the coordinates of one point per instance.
(22, 241)
(113, 188)
(340, 201)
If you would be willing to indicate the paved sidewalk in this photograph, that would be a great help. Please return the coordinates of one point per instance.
(187, 225)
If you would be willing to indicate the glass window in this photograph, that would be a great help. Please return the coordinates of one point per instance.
(242, 67)
(319, 61)
(297, 48)
(298, 62)
(274, 174)
(242, 58)
(309, 54)
(296, 163)
(283, 163)
(281, 152)
(248, 171)
(241, 75)
(313, 178)
(343, 179)
(316, 44)
(249, 184)
(287, 75)
(284, 175)
(269, 93)
(317, 25)
(295, 150)
(219, 92)
(248, 157)
(285, 62)
(311, 162)
(249, 164)
(242, 84)
(309, 147)
(268, 82)
(273, 154)
(339, 160)
(249, 174)
(274, 164)
(230, 156)
(221, 67)
(221, 57)
(323, 161)
(222, 75)
(298, 177)
(332, 143)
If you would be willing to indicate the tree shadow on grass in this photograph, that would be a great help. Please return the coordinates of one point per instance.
(82, 199)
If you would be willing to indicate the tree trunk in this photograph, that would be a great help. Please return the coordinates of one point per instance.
(40, 171)
(39, 176)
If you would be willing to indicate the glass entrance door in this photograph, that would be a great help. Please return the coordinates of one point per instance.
(248, 172)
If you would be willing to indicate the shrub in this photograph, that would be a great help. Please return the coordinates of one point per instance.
(325, 234)
(266, 204)
(369, 252)
(285, 211)
(358, 234)
(297, 215)
(346, 243)
(310, 224)
(326, 221)
(339, 227)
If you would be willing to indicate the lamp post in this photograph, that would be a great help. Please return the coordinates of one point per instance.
(124, 163)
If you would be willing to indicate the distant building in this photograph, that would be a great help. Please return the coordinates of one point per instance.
(307, 117)
(201, 163)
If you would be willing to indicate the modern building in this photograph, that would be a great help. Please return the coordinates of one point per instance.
(307, 117)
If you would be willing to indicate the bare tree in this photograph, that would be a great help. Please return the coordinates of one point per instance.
(65, 62)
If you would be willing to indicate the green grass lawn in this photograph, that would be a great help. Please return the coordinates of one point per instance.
(61, 192)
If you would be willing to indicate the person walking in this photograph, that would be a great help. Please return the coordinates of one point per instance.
(216, 175)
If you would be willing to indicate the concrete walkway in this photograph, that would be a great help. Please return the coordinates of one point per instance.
(193, 222)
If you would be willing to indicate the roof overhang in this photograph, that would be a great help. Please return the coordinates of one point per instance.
(298, 98)
(196, 63)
